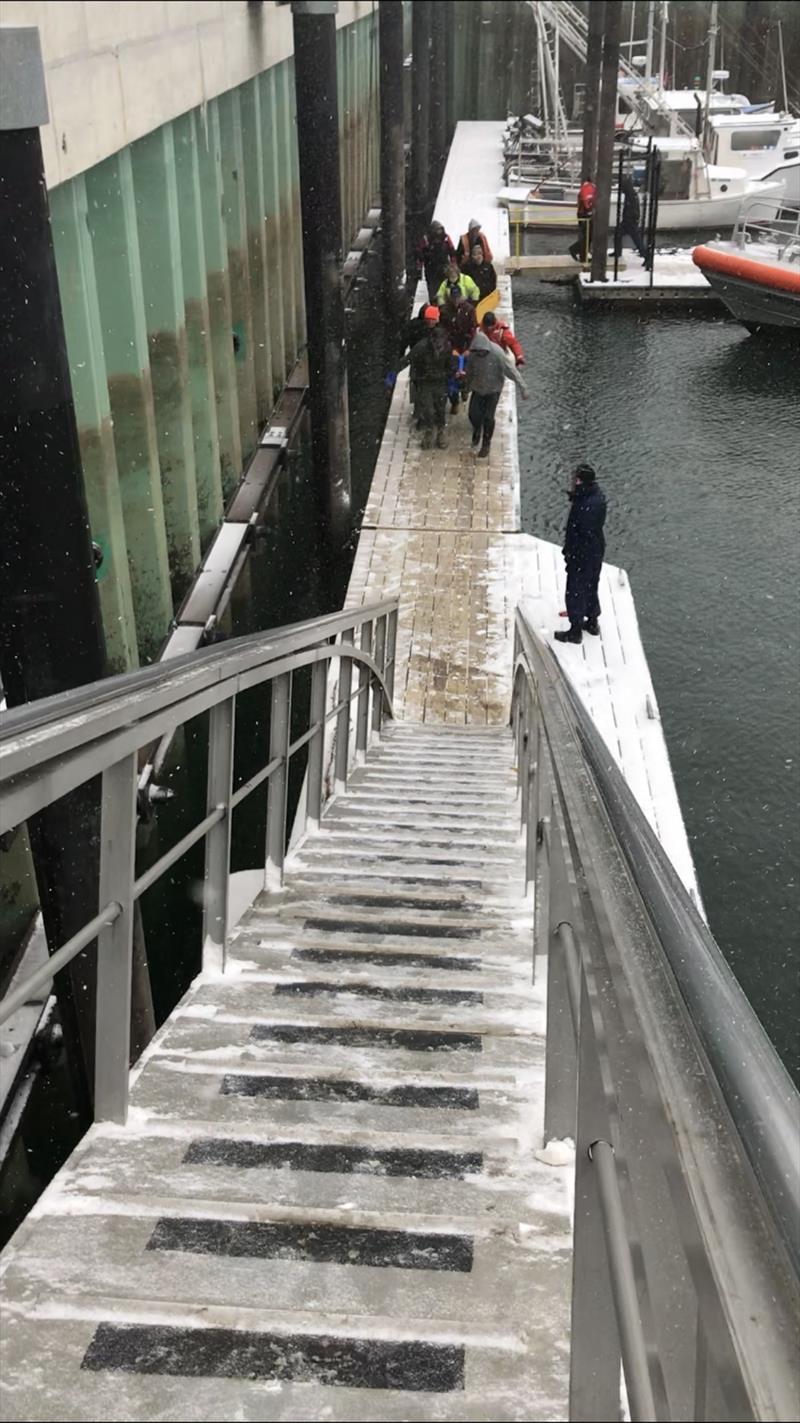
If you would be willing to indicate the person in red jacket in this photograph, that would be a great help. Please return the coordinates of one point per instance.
(502, 335)
(434, 254)
(587, 199)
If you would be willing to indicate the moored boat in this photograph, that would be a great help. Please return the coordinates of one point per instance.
(757, 273)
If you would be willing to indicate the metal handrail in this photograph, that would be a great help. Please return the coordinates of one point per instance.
(23, 728)
(653, 1049)
(51, 747)
(783, 231)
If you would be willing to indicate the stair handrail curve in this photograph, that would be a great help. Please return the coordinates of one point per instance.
(687, 1218)
(51, 747)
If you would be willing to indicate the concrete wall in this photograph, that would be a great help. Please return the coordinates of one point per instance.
(118, 70)
(180, 266)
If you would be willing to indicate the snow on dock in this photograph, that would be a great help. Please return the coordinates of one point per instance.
(442, 531)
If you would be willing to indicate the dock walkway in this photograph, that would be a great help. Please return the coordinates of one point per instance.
(442, 532)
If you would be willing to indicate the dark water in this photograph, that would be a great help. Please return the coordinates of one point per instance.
(694, 429)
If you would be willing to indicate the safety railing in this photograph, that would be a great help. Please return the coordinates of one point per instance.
(686, 1125)
(757, 223)
(55, 745)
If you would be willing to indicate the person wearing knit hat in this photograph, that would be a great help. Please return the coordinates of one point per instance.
(467, 241)
(584, 549)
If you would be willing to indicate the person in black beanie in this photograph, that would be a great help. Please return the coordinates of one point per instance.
(584, 547)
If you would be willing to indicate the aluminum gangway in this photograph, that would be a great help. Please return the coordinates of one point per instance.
(338, 1184)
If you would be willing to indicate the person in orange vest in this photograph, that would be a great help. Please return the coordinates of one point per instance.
(587, 198)
(467, 241)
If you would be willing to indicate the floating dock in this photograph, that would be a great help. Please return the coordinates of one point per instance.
(442, 531)
(676, 282)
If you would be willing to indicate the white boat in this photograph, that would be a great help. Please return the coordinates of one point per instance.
(695, 195)
(765, 144)
(760, 139)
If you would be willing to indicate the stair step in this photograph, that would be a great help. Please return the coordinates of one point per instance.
(305, 1358)
(336, 1158)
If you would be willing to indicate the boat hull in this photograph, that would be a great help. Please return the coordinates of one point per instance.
(674, 215)
(761, 297)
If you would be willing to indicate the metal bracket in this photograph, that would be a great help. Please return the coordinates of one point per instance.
(275, 435)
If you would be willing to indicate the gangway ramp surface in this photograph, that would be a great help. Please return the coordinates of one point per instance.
(326, 1202)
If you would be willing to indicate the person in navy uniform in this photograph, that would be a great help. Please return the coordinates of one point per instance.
(584, 547)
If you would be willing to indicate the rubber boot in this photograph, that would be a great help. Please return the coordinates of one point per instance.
(568, 635)
(592, 625)
(441, 438)
(483, 452)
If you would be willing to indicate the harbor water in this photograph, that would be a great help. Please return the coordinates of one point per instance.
(694, 429)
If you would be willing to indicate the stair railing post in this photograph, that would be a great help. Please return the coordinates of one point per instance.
(594, 1391)
(561, 1064)
(115, 941)
(532, 827)
(525, 756)
(316, 746)
(364, 679)
(279, 734)
(342, 757)
(391, 651)
(542, 811)
(218, 840)
(377, 690)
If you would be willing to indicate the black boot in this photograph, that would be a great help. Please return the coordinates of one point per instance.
(483, 452)
(568, 635)
(592, 625)
(476, 436)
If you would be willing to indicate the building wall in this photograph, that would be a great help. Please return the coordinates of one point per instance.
(116, 71)
(179, 257)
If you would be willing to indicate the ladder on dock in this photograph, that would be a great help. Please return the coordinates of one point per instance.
(325, 1189)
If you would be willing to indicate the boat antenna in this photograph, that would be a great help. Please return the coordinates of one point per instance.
(713, 29)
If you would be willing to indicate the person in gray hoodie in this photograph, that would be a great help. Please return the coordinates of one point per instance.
(487, 368)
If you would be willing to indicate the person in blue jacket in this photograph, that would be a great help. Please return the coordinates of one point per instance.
(584, 547)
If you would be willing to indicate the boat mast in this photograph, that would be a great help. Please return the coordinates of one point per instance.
(783, 67)
(648, 68)
(713, 29)
(663, 66)
(556, 79)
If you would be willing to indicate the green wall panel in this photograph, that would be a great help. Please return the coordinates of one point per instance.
(156, 195)
(117, 268)
(181, 271)
(198, 329)
(78, 287)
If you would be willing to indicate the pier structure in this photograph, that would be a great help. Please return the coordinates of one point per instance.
(465, 1116)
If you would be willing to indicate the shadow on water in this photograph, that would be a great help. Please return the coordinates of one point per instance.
(288, 577)
(693, 427)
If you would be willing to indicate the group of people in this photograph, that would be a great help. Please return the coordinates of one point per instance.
(629, 225)
(451, 357)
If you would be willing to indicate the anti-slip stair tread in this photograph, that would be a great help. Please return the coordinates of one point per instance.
(329, 1195)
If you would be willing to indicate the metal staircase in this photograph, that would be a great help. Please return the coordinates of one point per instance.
(321, 1193)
